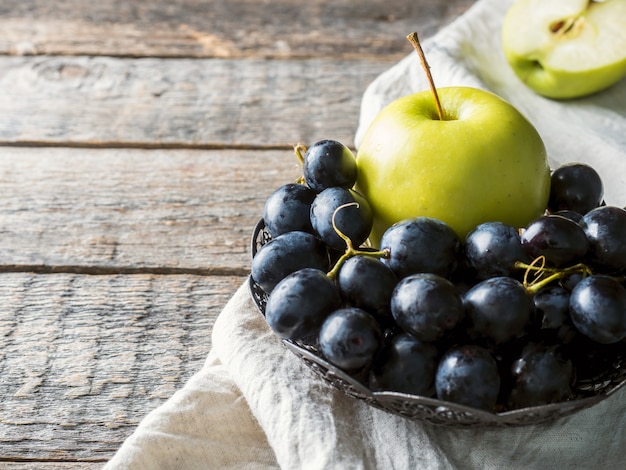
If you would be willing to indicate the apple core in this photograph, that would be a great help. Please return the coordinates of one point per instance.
(566, 48)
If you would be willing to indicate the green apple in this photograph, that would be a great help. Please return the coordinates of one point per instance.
(484, 161)
(566, 48)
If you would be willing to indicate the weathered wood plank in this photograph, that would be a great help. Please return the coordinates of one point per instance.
(207, 28)
(84, 358)
(159, 103)
(111, 209)
(42, 465)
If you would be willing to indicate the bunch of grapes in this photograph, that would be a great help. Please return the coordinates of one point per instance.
(506, 318)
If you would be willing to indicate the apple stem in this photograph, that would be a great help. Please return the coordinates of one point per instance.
(413, 39)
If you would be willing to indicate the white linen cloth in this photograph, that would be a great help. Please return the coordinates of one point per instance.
(255, 405)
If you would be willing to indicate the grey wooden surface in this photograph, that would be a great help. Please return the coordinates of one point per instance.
(138, 142)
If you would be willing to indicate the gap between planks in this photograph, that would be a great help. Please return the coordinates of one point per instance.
(146, 145)
(129, 270)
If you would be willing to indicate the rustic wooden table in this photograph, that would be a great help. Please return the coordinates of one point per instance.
(138, 142)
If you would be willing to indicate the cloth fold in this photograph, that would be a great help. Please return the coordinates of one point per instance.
(255, 405)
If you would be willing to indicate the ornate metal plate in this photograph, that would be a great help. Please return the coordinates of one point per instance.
(439, 412)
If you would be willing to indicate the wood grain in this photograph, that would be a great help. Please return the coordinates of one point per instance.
(156, 103)
(35, 464)
(233, 29)
(119, 210)
(84, 358)
(138, 143)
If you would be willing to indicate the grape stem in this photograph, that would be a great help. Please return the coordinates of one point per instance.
(555, 274)
(300, 150)
(414, 39)
(350, 250)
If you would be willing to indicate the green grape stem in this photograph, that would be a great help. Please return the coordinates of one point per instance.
(300, 150)
(554, 274)
(350, 250)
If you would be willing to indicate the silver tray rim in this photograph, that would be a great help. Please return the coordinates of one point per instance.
(421, 408)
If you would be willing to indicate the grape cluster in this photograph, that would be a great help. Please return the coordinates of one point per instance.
(507, 318)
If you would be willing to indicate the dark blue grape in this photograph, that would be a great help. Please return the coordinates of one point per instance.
(406, 365)
(354, 221)
(426, 306)
(327, 164)
(572, 215)
(499, 309)
(542, 375)
(365, 282)
(598, 309)
(421, 245)
(569, 280)
(468, 375)
(605, 228)
(592, 360)
(559, 239)
(300, 303)
(350, 338)
(288, 209)
(286, 254)
(576, 187)
(552, 311)
(493, 248)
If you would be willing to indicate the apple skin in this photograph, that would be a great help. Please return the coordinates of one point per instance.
(484, 162)
(566, 62)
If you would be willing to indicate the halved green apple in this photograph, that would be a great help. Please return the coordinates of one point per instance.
(566, 48)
